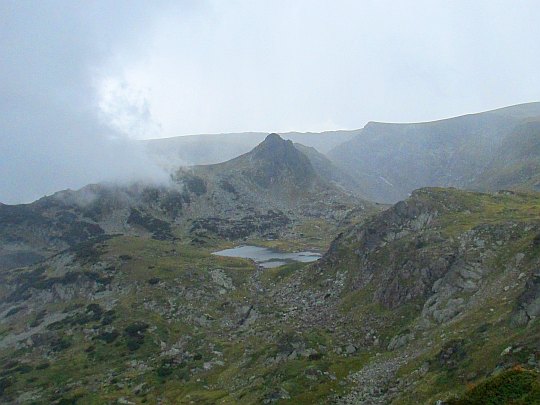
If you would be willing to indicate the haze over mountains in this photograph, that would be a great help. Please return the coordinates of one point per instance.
(434, 299)
(207, 149)
(387, 252)
(494, 150)
(391, 160)
(264, 192)
(385, 162)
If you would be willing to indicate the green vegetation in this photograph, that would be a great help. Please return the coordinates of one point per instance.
(151, 320)
(515, 386)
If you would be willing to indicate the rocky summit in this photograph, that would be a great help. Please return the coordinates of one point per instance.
(270, 191)
(112, 294)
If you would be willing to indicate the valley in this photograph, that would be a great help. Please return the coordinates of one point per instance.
(133, 294)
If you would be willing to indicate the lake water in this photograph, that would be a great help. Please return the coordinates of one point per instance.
(268, 258)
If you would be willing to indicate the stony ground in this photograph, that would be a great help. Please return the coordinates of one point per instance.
(407, 307)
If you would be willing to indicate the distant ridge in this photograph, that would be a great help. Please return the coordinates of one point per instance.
(390, 160)
(217, 148)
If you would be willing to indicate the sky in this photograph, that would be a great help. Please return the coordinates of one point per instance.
(81, 80)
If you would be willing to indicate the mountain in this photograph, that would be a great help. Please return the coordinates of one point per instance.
(31, 232)
(434, 296)
(275, 177)
(271, 190)
(208, 149)
(447, 281)
(330, 171)
(114, 293)
(392, 160)
(274, 165)
(516, 163)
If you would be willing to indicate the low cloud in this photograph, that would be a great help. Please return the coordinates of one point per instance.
(53, 133)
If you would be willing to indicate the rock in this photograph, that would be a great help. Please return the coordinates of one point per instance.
(506, 351)
(293, 355)
(350, 349)
(221, 279)
(519, 318)
(138, 389)
(399, 341)
(448, 311)
(276, 396)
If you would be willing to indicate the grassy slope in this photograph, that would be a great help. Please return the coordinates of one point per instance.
(169, 286)
(483, 331)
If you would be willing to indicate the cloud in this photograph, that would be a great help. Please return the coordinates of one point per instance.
(80, 80)
(126, 110)
(280, 65)
(52, 134)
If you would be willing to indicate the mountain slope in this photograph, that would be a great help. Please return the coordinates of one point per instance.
(329, 171)
(516, 163)
(391, 160)
(411, 306)
(31, 232)
(439, 292)
(275, 177)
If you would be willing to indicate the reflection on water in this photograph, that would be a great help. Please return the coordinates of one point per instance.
(268, 258)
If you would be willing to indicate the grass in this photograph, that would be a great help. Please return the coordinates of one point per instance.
(168, 286)
(515, 386)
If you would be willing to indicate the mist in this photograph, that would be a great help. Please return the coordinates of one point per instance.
(81, 82)
(53, 135)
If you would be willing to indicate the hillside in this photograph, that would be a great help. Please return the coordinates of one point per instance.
(516, 163)
(330, 171)
(412, 306)
(392, 160)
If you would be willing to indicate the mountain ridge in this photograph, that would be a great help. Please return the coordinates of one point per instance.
(269, 190)
(391, 160)
(115, 294)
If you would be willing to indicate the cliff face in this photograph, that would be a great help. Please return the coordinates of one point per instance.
(437, 248)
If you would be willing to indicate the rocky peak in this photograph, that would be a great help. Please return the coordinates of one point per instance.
(276, 160)
(275, 148)
(273, 137)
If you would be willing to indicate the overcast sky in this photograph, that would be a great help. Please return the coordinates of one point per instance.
(80, 79)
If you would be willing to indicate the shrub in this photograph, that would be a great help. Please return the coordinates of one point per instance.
(108, 337)
(4, 383)
(135, 335)
(13, 311)
(108, 317)
(43, 366)
(154, 281)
